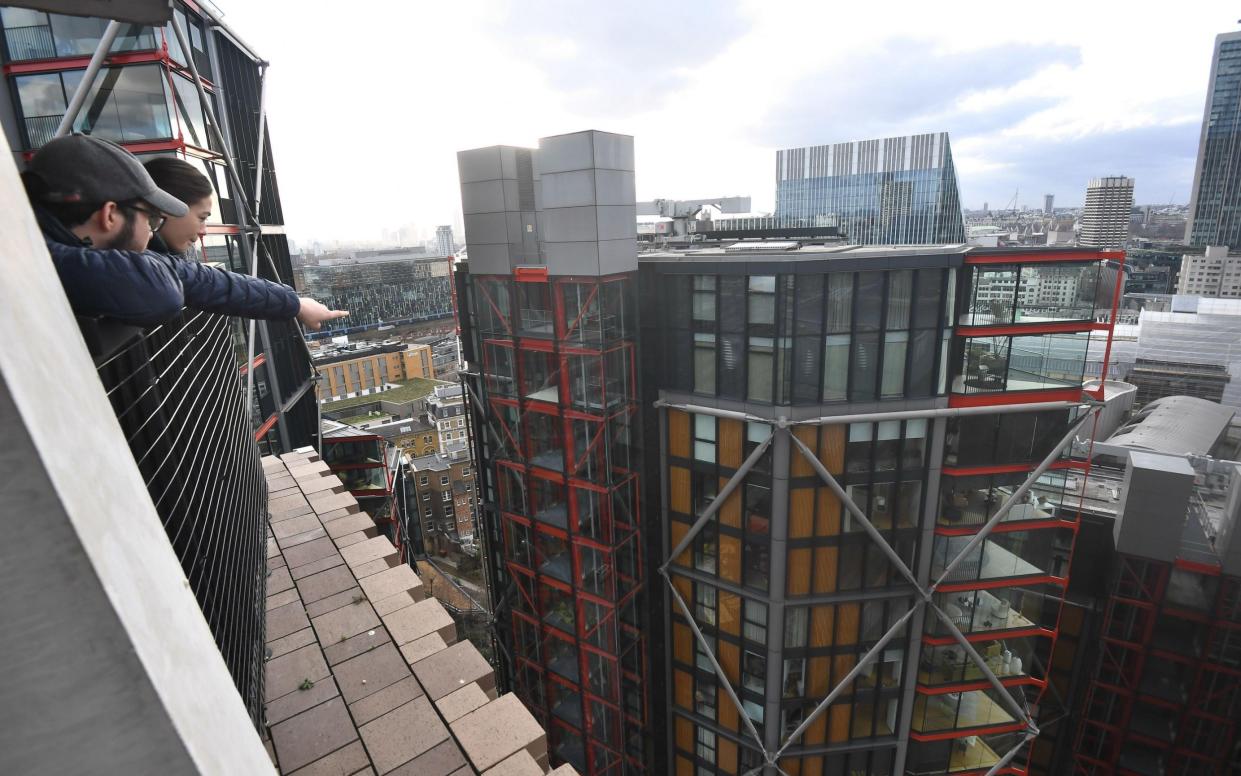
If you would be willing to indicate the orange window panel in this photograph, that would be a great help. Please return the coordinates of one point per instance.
(812, 766)
(731, 435)
(838, 724)
(827, 522)
(825, 560)
(799, 571)
(678, 433)
(791, 766)
(822, 619)
(684, 767)
(683, 690)
(832, 448)
(677, 531)
(678, 489)
(847, 623)
(729, 609)
(809, 437)
(726, 753)
(682, 643)
(801, 513)
(685, 588)
(842, 665)
(730, 660)
(728, 717)
(730, 511)
(817, 732)
(730, 558)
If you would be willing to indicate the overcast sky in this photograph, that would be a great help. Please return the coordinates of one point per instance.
(370, 101)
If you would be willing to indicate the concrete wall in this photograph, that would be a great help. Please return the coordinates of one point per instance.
(109, 665)
(1153, 506)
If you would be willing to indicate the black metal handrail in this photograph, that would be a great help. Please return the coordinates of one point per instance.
(177, 395)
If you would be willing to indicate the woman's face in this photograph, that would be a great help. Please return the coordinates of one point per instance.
(180, 232)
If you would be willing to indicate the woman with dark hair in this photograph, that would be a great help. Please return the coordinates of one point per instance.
(183, 181)
(247, 296)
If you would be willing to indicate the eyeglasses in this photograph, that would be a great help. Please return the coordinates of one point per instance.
(156, 220)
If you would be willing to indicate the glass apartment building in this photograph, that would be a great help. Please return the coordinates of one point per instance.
(144, 98)
(731, 476)
(1215, 205)
(894, 191)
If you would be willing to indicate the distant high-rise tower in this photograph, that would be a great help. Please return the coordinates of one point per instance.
(1049, 204)
(443, 240)
(1215, 202)
(1105, 222)
(894, 191)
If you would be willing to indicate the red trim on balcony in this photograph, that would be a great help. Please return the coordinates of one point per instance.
(1002, 398)
(983, 730)
(1011, 468)
(992, 584)
(1042, 256)
(1210, 569)
(981, 684)
(222, 229)
(1003, 527)
(989, 635)
(259, 360)
(267, 426)
(530, 274)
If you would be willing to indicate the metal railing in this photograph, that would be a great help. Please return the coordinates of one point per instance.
(34, 42)
(177, 395)
(41, 129)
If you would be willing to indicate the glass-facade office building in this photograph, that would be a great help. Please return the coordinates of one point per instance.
(719, 483)
(144, 98)
(893, 191)
(1215, 201)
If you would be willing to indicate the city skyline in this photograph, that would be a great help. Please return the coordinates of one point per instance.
(1031, 106)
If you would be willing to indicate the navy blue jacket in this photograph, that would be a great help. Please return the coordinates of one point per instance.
(147, 288)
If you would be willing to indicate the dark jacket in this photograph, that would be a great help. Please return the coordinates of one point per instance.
(147, 288)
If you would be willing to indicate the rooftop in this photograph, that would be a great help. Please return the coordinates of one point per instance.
(406, 391)
(1177, 425)
(364, 672)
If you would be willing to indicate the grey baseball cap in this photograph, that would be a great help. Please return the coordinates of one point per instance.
(81, 168)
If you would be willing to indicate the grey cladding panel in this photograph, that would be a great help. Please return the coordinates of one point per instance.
(564, 153)
(613, 152)
(618, 256)
(482, 197)
(485, 229)
(489, 260)
(614, 187)
(572, 258)
(567, 189)
(479, 164)
(617, 222)
(508, 160)
(570, 224)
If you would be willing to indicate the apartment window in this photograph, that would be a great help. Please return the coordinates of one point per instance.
(423, 480)
(704, 604)
(704, 438)
(706, 744)
(704, 362)
(465, 472)
(460, 422)
(426, 495)
(762, 300)
(755, 625)
(447, 495)
(760, 366)
(428, 512)
(753, 671)
(443, 479)
(704, 298)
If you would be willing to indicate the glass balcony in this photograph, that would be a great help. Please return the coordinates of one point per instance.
(1044, 292)
(536, 315)
(562, 658)
(600, 383)
(552, 553)
(972, 501)
(987, 611)
(1004, 438)
(353, 452)
(557, 606)
(999, 556)
(950, 664)
(548, 502)
(500, 370)
(1027, 363)
(544, 441)
(959, 711)
(375, 478)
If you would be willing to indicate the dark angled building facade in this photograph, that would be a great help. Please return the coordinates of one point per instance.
(145, 99)
(1215, 200)
(893, 191)
(719, 485)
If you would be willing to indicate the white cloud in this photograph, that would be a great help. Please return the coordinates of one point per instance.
(369, 102)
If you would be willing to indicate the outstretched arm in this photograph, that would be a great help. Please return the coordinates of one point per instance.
(142, 289)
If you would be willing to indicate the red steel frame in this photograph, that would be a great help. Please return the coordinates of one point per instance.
(1019, 766)
(581, 436)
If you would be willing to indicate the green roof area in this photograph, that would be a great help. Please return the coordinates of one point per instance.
(354, 420)
(407, 391)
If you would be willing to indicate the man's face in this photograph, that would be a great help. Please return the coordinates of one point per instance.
(125, 229)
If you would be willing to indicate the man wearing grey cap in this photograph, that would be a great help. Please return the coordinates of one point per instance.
(98, 207)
